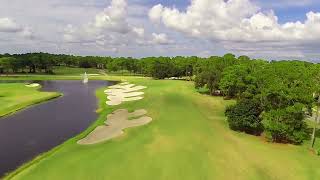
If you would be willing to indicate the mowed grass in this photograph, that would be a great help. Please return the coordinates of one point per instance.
(62, 70)
(16, 96)
(187, 139)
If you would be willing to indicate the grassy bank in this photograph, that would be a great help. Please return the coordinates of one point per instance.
(16, 96)
(187, 139)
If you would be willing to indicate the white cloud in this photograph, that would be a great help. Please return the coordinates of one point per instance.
(113, 18)
(123, 28)
(138, 31)
(236, 21)
(8, 25)
(160, 38)
(109, 27)
(204, 17)
(28, 33)
(155, 13)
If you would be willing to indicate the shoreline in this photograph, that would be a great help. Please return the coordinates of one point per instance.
(43, 156)
(27, 105)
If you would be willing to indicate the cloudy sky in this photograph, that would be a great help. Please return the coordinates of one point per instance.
(273, 29)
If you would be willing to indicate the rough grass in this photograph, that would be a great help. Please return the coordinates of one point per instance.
(16, 96)
(187, 139)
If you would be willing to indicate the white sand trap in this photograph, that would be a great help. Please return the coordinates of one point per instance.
(115, 124)
(132, 99)
(32, 85)
(124, 87)
(116, 100)
(123, 92)
(112, 91)
(125, 95)
(113, 103)
(119, 86)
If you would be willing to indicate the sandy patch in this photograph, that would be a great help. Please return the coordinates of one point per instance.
(123, 92)
(125, 95)
(115, 124)
(32, 85)
(114, 103)
(126, 90)
(132, 99)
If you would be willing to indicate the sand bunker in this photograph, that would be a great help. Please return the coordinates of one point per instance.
(32, 85)
(123, 92)
(115, 124)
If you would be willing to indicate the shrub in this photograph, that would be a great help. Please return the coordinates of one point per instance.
(286, 125)
(245, 117)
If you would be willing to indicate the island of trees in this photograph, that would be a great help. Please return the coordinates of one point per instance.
(273, 98)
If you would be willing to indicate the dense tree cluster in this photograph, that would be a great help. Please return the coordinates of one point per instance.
(157, 67)
(44, 62)
(245, 116)
(272, 97)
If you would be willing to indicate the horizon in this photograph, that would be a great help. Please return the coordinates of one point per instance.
(134, 28)
(139, 58)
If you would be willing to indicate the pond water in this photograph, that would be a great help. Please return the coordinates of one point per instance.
(39, 128)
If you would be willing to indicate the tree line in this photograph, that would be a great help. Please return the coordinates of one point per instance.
(157, 67)
(272, 97)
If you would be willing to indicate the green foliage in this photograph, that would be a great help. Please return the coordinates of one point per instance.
(9, 64)
(286, 125)
(156, 67)
(188, 139)
(209, 71)
(245, 117)
(208, 79)
(162, 69)
(235, 81)
(282, 84)
(275, 85)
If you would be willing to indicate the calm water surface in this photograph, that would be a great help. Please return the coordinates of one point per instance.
(39, 128)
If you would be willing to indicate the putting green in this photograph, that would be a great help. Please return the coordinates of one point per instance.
(16, 96)
(187, 139)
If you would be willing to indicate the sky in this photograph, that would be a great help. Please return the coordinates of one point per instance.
(270, 29)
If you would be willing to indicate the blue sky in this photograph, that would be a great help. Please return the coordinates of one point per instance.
(293, 12)
(287, 29)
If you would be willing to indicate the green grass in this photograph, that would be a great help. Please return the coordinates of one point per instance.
(16, 96)
(62, 70)
(187, 139)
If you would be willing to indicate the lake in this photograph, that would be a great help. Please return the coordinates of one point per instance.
(41, 127)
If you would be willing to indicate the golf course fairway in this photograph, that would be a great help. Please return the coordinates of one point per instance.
(187, 139)
(16, 96)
